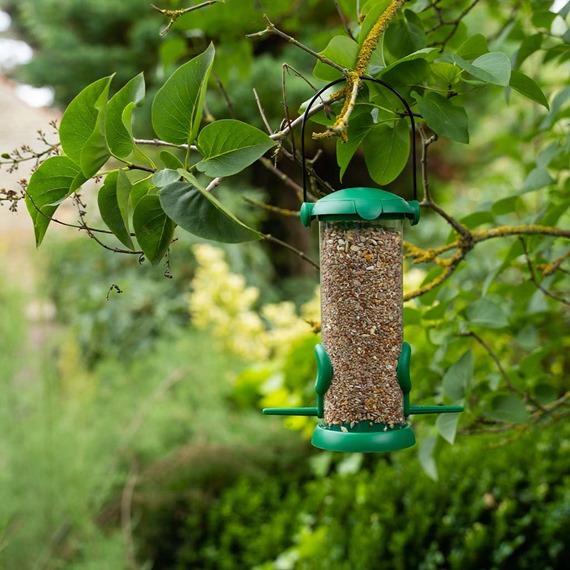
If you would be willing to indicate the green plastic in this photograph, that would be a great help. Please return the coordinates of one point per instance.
(322, 384)
(363, 438)
(360, 204)
(403, 373)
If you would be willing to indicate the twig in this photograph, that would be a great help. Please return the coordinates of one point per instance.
(535, 280)
(173, 15)
(272, 30)
(343, 20)
(158, 142)
(270, 208)
(554, 266)
(497, 362)
(288, 246)
(453, 23)
(262, 112)
(225, 95)
(298, 189)
(426, 142)
(353, 78)
(215, 182)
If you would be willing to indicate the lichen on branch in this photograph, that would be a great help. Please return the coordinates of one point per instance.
(354, 77)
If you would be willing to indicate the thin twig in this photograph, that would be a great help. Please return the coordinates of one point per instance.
(173, 15)
(262, 112)
(225, 95)
(158, 142)
(215, 182)
(288, 246)
(426, 142)
(535, 280)
(297, 188)
(344, 20)
(270, 208)
(272, 30)
(453, 23)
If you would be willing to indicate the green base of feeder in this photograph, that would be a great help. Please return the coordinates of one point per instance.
(363, 437)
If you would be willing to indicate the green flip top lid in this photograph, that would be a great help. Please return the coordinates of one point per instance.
(361, 203)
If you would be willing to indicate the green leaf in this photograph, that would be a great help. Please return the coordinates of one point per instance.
(508, 408)
(474, 47)
(139, 189)
(49, 185)
(428, 54)
(537, 178)
(457, 379)
(386, 151)
(426, 452)
(153, 228)
(545, 393)
(342, 50)
(229, 146)
(82, 129)
(487, 314)
(494, 68)
(170, 160)
(405, 35)
(113, 202)
(446, 425)
(198, 212)
(177, 107)
(543, 18)
(119, 116)
(527, 47)
(165, 177)
(527, 87)
(358, 128)
(443, 117)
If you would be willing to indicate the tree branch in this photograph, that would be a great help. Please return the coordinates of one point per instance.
(173, 15)
(272, 30)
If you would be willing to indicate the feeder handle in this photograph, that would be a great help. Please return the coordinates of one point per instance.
(384, 84)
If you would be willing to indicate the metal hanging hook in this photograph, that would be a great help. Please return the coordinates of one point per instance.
(402, 100)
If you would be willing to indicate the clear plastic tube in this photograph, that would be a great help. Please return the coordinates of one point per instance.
(361, 320)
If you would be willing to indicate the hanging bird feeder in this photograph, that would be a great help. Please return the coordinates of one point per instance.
(363, 377)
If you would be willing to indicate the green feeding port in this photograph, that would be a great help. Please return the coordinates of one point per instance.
(363, 379)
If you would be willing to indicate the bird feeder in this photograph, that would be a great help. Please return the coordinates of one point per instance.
(363, 364)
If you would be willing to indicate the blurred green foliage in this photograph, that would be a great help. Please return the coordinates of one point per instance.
(495, 507)
(72, 438)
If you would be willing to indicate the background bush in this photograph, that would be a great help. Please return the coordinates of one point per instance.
(497, 505)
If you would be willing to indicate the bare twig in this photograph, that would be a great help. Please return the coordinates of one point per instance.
(262, 112)
(535, 280)
(270, 208)
(158, 142)
(272, 30)
(288, 246)
(225, 95)
(298, 189)
(344, 20)
(453, 23)
(173, 15)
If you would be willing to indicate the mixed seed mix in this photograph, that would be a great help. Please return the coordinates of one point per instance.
(361, 287)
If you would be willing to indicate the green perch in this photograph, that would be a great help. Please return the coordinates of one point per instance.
(322, 384)
(324, 378)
